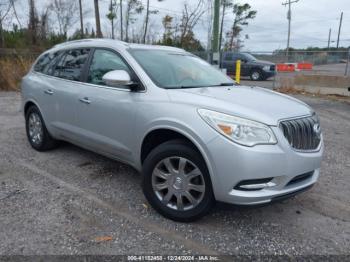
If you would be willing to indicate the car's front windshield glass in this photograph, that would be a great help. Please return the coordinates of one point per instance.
(171, 69)
(249, 57)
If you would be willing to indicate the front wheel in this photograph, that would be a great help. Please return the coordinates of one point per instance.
(256, 75)
(176, 182)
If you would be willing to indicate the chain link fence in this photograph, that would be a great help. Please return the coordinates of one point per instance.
(314, 57)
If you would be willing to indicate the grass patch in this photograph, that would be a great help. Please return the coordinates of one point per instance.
(12, 69)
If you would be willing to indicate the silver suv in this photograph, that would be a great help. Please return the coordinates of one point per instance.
(195, 135)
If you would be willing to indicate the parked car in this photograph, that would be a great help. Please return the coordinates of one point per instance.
(195, 135)
(257, 70)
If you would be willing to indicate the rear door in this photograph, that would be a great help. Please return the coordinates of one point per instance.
(107, 114)
(43, 90)
(229, 62)
(66, 81)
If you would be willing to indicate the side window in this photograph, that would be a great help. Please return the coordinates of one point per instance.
(72, 64)
(229, 57)
(56, 70)
(45, 61)
(103, 62)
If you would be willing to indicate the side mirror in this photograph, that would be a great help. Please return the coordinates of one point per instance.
(117, 78)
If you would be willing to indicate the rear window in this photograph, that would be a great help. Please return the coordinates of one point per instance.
(46, 61)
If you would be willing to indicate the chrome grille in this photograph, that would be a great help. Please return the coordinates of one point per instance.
(302, 133)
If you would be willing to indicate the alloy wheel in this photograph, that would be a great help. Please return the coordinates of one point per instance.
(178, 183)
(35, 128)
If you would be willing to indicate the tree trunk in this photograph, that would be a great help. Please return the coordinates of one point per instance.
(112, 23)
(32, 22)
(232, 35)
(146, 23)
(121, 20)
(2, 40)
(81, 19)
(112, 20)
(127, 23)
(98, 21)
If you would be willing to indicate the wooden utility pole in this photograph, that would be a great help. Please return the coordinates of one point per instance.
(81, 19)
(289, 17)
(222, 23)
(340, 24)
(216, 25)
(98, 21)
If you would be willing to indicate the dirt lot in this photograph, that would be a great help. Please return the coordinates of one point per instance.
(61, 201)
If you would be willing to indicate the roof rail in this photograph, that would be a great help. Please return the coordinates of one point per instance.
(88, 40)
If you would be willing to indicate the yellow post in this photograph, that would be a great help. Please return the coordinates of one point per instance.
(238, 71)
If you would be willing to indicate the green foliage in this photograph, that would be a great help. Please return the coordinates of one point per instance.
(242, 14)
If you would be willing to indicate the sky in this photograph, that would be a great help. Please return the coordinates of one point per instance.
(311, 21)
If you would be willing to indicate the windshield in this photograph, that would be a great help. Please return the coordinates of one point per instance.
(249, 57)
(169, 69)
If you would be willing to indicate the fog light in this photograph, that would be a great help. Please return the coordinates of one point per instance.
(255, 184)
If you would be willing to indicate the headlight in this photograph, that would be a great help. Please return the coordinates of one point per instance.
(242, 131)
(266, 68)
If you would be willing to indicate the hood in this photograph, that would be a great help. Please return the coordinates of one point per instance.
(253, 103)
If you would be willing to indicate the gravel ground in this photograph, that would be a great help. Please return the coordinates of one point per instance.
(62, 201)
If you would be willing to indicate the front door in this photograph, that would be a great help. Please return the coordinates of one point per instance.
(107, 114)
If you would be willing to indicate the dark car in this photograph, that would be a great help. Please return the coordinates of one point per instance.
(257, 70)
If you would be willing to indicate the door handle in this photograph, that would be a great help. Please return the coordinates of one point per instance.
(85, 100)
(48, 92)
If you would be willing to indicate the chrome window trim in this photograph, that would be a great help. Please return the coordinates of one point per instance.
(144, 90)
(88, 84)
(299, 150)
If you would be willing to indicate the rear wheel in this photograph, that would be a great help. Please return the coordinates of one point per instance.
(176, 182)
(38, 136)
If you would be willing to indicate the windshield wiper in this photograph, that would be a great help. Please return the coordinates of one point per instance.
(187, 87)
(227, 84)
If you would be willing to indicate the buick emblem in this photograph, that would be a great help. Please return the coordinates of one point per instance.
(317, 129)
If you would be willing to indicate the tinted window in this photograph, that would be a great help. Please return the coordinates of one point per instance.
(228, 56)
(71, 65)
(45, 61)
(103, 62)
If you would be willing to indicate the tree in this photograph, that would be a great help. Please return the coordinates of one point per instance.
(133, 7)
(148, 12)
(168, 26)
(5, 7)
(226, 4)
(81, 19)
(65, 11)
(112, 15)
(242, 14)
(33, 22)
(190, 18)
(98, 20)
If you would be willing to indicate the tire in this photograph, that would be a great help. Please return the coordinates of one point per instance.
(44, 142)
(170, 152)
(256, 75)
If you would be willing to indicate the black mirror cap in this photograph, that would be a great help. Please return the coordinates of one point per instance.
(135, 86)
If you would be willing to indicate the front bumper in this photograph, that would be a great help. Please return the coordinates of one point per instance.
(231, 164)
(268, 74)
